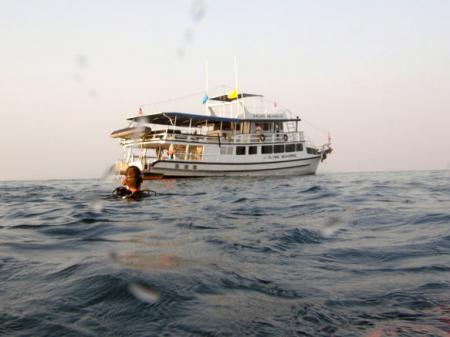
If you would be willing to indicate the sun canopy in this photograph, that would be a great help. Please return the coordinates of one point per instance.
(184, 119)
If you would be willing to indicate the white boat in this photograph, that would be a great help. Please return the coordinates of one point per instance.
(237, 135)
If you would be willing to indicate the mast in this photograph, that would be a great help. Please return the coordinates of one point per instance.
(236, 86)
(206, 85)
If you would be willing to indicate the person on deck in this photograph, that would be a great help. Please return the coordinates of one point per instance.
(170, 152)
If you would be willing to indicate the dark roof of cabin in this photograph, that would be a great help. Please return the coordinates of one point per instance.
(183, 119)
(224, 98)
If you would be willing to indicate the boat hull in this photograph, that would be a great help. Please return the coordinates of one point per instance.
(185, 169)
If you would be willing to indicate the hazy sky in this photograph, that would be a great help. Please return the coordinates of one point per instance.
(376, 74)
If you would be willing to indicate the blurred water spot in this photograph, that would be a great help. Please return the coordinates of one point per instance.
(77, 77)
(198, 10)
(93, 93)
(81, 61)
(139, 129)
(402, 328)
(181, 52)
(145, 262)
(97, 205)
(143, 293)
(109, 173)
(189, 35)
(335, 224)
(331, 227)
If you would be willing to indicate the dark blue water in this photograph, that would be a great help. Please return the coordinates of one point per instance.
(328, 255)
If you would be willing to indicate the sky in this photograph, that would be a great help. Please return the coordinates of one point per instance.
(375, 74)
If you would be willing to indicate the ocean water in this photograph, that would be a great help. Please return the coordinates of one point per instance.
(356, 254)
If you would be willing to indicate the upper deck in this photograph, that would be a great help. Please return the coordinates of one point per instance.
(177, 136)
(242, 119)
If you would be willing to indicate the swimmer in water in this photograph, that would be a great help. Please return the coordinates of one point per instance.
(131, 188)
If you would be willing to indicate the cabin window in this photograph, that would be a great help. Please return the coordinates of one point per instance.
(266, 126)
(226, 126)
(195, 152)
(290, 148)
(278, 148)
(265, 149)
(299, 147)
(240, 150)
(310, 150)
(179, 151)
(252, 150)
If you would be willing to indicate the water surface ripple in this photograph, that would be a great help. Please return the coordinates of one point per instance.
(364, 254)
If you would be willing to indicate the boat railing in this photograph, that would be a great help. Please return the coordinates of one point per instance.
(256, 107)
(226, 138)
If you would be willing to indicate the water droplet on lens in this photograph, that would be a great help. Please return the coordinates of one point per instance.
(188, 35)
(143, 293)
(97, 205)
(77, 77)
(93, 93)
(81, 61)
(181, 52)
(198, 10)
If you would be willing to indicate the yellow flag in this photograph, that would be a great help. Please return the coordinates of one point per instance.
(233, 94)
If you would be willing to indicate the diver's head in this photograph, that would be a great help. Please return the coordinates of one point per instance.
(133, 178)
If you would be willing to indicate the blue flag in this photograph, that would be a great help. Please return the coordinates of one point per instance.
(205, 99)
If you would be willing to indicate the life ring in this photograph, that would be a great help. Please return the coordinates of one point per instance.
(285, 137)
(262, 137)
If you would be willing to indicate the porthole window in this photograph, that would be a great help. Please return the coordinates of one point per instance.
(252, 150)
